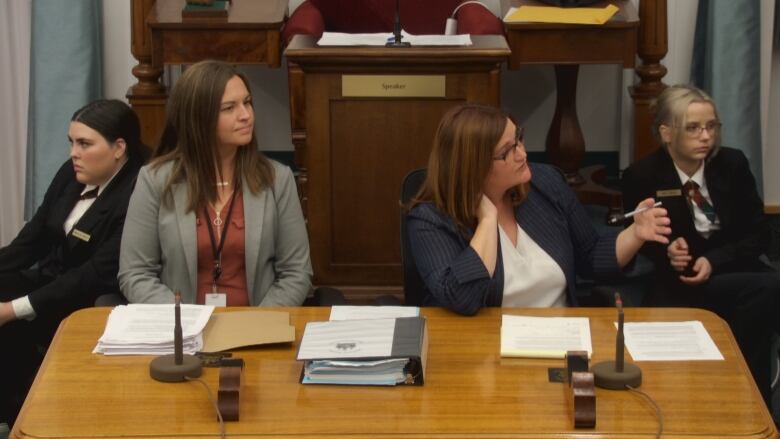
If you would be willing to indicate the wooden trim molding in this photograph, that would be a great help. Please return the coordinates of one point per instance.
(772, 209)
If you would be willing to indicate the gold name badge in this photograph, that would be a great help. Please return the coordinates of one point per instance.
(81, 235)
(668, 193)
(429, 86)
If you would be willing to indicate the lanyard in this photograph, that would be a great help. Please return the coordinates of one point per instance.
(216, 249)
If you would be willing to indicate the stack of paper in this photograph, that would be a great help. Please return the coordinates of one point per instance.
(379, 373)
(380, 39)
(140, 329)
(544, 337)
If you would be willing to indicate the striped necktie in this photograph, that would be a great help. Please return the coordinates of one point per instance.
(691, 189)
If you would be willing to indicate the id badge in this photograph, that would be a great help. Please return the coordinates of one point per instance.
(216, 299)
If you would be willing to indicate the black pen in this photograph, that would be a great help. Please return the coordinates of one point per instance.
(620, 218)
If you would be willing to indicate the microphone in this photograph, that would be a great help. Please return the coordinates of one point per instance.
(397, 29)
(177, 367)
(617, 375)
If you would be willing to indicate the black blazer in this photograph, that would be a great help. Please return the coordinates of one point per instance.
(744, 233)
(80, 268)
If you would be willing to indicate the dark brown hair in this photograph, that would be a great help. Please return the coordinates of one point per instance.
(461, 159)
(189, 138)
(114, 120)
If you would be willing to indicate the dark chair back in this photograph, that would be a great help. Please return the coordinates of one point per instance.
(414, 287)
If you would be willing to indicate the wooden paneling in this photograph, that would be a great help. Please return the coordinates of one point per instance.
(353, 152)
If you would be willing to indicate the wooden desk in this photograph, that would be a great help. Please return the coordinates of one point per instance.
(470, 390)
(249, 35)
(353, 150)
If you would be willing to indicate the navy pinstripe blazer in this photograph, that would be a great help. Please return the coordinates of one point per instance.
(552, 216)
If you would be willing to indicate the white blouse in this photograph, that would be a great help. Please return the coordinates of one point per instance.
(532, 279)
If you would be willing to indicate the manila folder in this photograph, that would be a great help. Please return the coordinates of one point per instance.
(231, 330)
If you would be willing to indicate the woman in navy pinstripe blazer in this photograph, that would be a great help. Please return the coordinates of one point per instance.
(483, 233)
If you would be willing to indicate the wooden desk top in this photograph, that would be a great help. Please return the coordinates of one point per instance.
(258, 14)
(470, 390)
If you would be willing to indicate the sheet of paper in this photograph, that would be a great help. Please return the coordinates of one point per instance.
(372, 312)
(544, 337)
(670, 341)
(347, 339)
(550, 14)
(380, 39)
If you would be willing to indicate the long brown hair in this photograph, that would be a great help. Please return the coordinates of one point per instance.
(189, 138)
(461, 159)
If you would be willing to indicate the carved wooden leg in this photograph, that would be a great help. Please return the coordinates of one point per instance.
(565, 144)
(147, 96)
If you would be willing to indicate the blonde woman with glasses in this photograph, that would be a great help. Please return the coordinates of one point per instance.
(719, 229)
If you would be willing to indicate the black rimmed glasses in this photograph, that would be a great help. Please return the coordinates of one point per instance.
(514, 148)
(694, 130)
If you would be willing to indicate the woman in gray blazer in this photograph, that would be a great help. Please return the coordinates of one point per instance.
(210, 215)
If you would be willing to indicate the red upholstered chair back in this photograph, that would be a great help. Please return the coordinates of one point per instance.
(362, 16)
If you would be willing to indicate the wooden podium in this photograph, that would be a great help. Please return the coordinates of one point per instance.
(362, 118)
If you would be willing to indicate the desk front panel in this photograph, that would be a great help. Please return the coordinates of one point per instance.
(470, 390)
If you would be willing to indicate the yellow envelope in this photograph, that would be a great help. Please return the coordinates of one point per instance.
(547, 14)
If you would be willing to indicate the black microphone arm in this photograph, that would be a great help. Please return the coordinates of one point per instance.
(397, 29)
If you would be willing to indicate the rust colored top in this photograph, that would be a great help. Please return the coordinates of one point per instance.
(233, 279)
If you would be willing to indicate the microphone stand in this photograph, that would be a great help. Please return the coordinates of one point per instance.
(617, 375)
(177, 366)
(397, 29)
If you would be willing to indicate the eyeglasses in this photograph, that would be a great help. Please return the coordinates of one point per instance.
(514, 148)
(694, 130)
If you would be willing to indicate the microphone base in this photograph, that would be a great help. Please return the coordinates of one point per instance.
(606, 377)
(165, 369)
(398, 44)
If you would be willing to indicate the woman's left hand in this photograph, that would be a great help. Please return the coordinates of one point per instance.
(652, 224)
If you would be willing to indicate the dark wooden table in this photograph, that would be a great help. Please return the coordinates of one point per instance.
(249, 35)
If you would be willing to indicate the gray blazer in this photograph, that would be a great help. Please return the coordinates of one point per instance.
(159, 246)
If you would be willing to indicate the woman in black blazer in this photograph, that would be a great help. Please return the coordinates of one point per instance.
(719, 229)
(67, 254)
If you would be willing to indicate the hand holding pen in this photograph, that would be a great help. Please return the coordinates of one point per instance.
(617, 219)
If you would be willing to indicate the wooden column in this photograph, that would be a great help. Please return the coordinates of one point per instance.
(147, 96)
(651, 48)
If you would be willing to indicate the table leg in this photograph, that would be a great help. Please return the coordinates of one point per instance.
(565, 144)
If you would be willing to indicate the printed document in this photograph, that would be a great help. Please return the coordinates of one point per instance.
(669, 341)
(544, 337)
(347, 312)
(380, 39)
(145, 329)
(347, 339)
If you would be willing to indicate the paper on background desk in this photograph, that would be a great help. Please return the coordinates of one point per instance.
(372, 312)
(551, 14)
(669, 341)
(380, 39)
(544, 337)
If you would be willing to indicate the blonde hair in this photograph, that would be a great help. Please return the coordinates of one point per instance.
(671, 108)
(460, 160)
